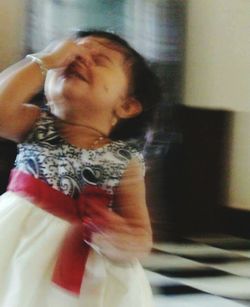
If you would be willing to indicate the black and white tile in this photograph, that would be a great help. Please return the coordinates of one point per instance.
(208, 270)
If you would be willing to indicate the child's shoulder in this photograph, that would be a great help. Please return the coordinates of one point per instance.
(43, 128)
(129, 151)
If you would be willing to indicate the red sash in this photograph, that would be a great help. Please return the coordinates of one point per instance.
(69, 270)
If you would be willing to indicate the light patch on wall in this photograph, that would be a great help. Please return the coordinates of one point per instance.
(12, 30)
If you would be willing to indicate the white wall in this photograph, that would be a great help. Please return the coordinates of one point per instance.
(12, 25)
(218, 77)
(218, 54)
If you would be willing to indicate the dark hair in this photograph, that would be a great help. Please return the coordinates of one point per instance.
(145, 88)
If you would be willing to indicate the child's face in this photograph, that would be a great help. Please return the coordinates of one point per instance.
(97, 80)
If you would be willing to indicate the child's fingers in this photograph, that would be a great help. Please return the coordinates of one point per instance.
(112, 219)
(61, 54)
(120, 243)
(107, 219)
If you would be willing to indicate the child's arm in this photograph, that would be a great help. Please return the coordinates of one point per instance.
(17, 85)
(125, 234)
(20, 82)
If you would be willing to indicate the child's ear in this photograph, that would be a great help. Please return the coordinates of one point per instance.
(129, 108)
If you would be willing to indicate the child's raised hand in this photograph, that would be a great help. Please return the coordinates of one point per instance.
(60, 54)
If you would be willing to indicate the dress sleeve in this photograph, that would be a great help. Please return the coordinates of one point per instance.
(138, 156)
(43, 128)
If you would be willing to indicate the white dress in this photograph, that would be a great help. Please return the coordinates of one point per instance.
(31, 237)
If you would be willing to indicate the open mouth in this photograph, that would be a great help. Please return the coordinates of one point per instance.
(77, 75)
(72, 72)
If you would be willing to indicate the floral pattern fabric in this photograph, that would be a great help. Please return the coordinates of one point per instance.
(67, 168)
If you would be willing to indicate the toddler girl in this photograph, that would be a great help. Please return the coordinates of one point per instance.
(74, 221)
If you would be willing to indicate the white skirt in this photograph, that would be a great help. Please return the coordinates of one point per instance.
(30, 239)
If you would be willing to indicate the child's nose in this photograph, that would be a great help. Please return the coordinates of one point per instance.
(86, 59)
(88, 52)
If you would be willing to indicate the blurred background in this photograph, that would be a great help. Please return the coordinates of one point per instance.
(199, 161)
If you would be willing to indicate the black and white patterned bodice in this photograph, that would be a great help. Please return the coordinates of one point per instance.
(67, 168)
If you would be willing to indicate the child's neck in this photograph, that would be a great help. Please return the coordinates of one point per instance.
(82, 135)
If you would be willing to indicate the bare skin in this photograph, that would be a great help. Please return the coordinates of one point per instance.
(87, 88)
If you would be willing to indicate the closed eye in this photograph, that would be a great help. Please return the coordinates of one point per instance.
(102, 60)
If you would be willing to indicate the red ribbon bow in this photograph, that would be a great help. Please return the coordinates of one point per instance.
(73, 254)
(71, 262)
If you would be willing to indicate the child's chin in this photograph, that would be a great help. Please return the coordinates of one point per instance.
(73, 93)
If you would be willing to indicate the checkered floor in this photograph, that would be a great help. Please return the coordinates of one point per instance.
(200, 271)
